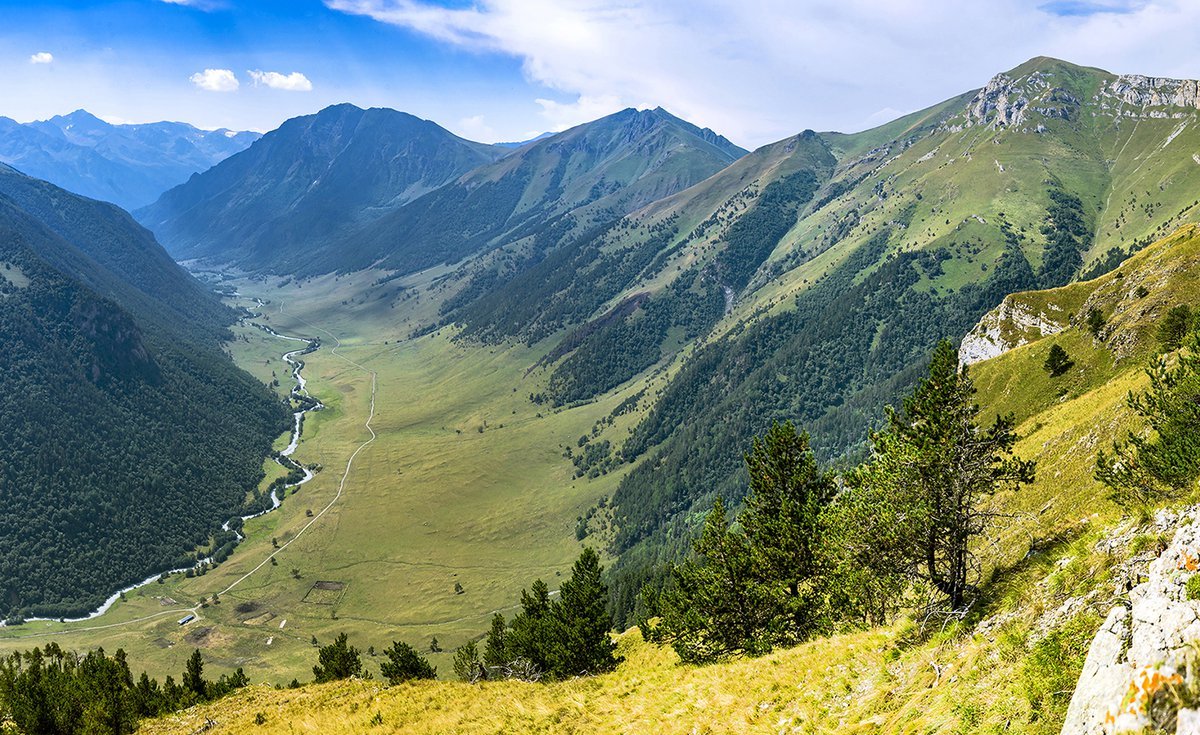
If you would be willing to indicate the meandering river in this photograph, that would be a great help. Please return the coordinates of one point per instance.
(299, 390)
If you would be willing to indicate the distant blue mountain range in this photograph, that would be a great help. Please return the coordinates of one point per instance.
(128, 165)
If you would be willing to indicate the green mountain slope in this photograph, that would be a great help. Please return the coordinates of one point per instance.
(597, 172)
(597, 286)
(1049, 171)
(133, 269)
(281, 201)
(1063, 556)
(126, 435)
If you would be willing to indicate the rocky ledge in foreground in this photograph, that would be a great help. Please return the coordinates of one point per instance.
(1144, 647)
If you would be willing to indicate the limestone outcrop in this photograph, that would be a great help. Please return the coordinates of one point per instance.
(1009, 325)
(1144, 645)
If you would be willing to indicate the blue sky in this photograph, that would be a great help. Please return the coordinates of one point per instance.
(754, 70)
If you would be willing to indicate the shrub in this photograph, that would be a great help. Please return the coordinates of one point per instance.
(405, 664)
(1058, 361)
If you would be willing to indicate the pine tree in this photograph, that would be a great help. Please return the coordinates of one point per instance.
(585, 644)
(405, 664)
(193, 676)
(875, 530)
(956, 466)
(530, 637)
(714, 605)
(338, 660)
(1057, 361)
(1146, 468)
(1174, 327)
(467, 666)
(782, 521)
(495, 651)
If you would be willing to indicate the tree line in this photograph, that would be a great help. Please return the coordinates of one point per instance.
(51, 691)
(811, 550)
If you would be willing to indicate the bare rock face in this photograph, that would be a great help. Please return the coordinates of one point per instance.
(1137, 90)
(1104, 679)
(1009, 325)
(1009, 103)
(1142, 647)
(999, 103)
(1024, 103)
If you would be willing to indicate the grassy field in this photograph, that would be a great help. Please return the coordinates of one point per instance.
(465, 485)
(1010, 667)
(1005, 675)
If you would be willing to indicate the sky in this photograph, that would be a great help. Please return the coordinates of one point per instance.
(755, 71)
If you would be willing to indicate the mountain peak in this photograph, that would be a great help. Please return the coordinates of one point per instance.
(339, 108)
(1049, 64)
(78, 120)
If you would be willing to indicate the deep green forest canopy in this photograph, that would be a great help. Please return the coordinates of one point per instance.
(127, 435)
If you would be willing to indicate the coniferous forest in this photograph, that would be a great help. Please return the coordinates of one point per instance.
(129, 436)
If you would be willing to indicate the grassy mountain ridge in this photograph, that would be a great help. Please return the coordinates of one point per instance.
(594, 171)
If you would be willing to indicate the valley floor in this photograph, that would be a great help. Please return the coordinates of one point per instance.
(466, 484)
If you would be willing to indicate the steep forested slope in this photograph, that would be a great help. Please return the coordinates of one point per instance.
(126, 435)
(1050, 172)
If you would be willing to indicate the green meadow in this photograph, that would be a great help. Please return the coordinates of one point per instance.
(465, 487)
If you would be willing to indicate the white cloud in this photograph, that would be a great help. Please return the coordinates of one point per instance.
(42, 57)
(215, 80)
(294, 82)
(562, 115)
(885, 115)
(760, 70)
(198, 4)
(475, 128)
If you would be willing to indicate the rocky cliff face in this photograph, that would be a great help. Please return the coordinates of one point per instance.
(1139, 91)
(1010, 103)
(1024, 102)
(1144, 645)
(1008, 326)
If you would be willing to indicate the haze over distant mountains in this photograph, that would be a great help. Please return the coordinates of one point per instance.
(128, 165)
(308, 182)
